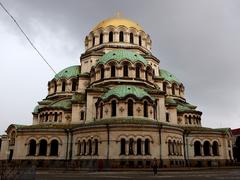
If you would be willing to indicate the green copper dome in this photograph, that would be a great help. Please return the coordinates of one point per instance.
(69, 72)
(168, 76)
(121, 55)
(62, 104)
(124, 90)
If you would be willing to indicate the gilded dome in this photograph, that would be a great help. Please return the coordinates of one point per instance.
(118, 21)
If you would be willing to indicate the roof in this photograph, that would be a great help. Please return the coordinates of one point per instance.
(63, 104)
(69, 72)
(181, 105)
(125, 90)
(168, 76)
(121, 54)
(118, 21)
(236, 131)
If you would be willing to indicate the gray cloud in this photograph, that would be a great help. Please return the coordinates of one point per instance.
(197, 40)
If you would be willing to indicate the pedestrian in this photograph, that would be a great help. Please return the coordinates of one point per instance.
(154, 166)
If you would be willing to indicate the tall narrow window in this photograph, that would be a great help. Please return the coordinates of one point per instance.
(131, 143)
(131, 38)
(32, 147)
(113, 71)
(84, 147)
(190, 120)
(147, 146)
(101, 111)
(167, 117)
(89, 147)
(110, 37)
(165, 87)
(43, 147)
(169, 147)
(102, 72)
(74, 85)
(130, 107)
(46, 116)
(137, 72)
(215, 148)
(140, 41)
(114, 108)
(121, 37)
(125, 70)
(206, 148)
(146, 75)
(122, 147)
(54, 148)
(139, 147)
(101, 38)
(63, 86)
(55, 87)
(79, 146)
(82, 115)
(173, 89)
(93, 41)
(96, 147)
(55, 116)
(145, 109)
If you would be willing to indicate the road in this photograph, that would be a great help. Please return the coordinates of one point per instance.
(212, 174)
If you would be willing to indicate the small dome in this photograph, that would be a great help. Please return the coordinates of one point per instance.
(121, 55)
(124, 90)
(69, 72)
(168, 76)
(118, 21)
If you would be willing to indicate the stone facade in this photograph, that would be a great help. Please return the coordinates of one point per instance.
(119, 108)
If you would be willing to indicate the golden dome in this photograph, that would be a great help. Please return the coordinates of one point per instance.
(118, 21)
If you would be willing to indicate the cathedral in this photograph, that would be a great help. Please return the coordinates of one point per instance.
(119, 109)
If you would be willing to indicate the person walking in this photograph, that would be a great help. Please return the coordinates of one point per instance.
(154, 166)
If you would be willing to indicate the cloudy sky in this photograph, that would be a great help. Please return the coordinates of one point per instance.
(197, 40)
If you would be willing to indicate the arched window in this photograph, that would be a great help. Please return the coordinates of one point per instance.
(121, 36)
(174, 147)
(96, 147)
(54, 148)
(137, 72)
(206, 148)
(32, 147)
(74, 85)
(173, 89)
(146, 75)
(55, 86)
(101, 110)
(165, 87)
(139, 147)
(147, 147)
(84, 147)
(110, 36)
(125, 70)
(63, 86)
(190, 120)
(93, 41)
(101, 38)
(140, 41)
(79, 148)
(113, 71)
(43, 148)
(122, 147)
(130, 107)
(46, 117)
(82, 115)
(131, 141)
(170, 147)
(215, 148)
(55, 117)
(197, 148)
(102, 72)
(114, 108)
(89, 147)
(167, 117)
(131, 38)
(145, 109)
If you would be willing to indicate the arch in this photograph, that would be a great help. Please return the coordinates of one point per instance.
(125, 70)
(197, 148)
(130, 107)
(206, 148)
(32, 147)
(121, 36)
(147, 146)
(101, 38)
(122, 146)
(139, 147)
(63, 85)
(131, 38)
(131, 146)
(113, 70)
(54, 147)
(215, 148)
(42, 147)
(110, 36)
(114, 108)
(145, 109)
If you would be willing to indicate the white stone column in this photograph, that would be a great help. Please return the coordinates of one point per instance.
(210, 150)
(105, 37)
(127, 147)
(48, 149)
(115, 37)
(93, 147)
(201, 150)
(143, 147)
(126, 37)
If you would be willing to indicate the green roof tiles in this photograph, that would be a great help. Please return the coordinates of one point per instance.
(64, 104)
(124, 90)
(168, 76)
(181, 106)
(121, 54)
(69, 72)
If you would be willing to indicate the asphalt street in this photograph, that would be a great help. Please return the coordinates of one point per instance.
(212, 174)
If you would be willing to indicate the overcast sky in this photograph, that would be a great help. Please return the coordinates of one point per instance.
(197, 40)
